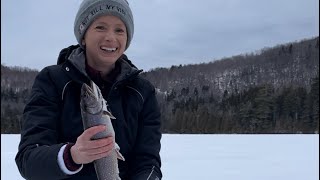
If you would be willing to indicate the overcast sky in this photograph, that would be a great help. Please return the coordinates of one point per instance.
(167, 32)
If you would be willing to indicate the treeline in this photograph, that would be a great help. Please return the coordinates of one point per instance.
(275, 90)
(16, 85)
(257, 110)
(12, 104)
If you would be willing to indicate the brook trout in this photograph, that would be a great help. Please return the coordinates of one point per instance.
(94, 112)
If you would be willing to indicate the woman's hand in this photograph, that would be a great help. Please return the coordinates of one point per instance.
(86, 150)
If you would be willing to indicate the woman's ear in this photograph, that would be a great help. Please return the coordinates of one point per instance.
(83, 42)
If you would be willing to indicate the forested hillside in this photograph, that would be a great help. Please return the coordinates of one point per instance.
(16, 84)
(275, 90)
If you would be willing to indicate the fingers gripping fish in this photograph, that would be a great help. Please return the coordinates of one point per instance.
(94, 112)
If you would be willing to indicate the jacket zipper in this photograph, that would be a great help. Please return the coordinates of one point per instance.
(150, 173)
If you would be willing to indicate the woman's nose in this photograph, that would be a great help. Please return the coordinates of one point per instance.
(109, 36)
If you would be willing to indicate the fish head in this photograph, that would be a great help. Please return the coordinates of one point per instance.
(91, 99)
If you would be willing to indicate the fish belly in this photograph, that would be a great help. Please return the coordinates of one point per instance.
(107, 167)
(90, 120)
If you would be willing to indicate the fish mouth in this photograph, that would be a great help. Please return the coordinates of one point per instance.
(91, 90)
(91, 101)
(88, 98)
(87, 91)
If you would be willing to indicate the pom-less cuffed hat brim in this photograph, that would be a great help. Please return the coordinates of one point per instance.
(92, 9)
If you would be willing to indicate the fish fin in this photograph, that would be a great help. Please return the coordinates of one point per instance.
(106, 111)
(111, 116)
(119, 155)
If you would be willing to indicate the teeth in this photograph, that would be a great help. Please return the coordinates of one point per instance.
(109, 49)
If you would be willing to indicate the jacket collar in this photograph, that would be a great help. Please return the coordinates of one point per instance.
(76, 55)
(96, 76)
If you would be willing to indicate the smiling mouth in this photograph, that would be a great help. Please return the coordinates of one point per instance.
(108, 49)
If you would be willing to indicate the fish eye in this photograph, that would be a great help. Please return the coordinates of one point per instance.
(85, 95)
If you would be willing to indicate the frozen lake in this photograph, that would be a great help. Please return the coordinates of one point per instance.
(218, 157)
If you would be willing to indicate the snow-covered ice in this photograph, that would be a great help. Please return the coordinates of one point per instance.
(218, 157)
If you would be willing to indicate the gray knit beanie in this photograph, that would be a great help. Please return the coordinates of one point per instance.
(92, 9)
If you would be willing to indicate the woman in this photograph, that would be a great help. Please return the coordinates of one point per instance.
(53, 143)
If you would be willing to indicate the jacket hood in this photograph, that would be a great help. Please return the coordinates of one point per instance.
(65, 53)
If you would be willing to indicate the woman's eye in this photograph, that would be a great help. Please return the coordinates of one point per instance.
(100, 27)
(119, 30)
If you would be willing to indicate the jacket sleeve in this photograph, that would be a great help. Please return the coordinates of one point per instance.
(39, 147)
(146, 161)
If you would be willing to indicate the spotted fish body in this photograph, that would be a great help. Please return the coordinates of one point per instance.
(94, 112)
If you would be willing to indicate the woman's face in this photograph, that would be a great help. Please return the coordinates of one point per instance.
(105, 41)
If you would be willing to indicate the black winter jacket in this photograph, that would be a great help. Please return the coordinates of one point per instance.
(52, 118)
